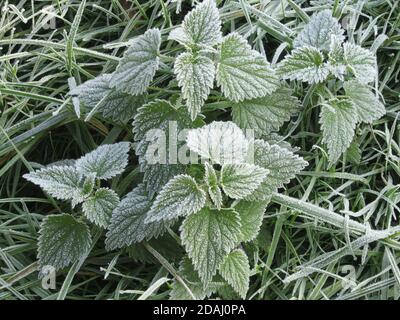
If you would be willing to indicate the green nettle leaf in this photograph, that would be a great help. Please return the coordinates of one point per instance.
(62, 241)
(283, 165)
(192, 280)
(208, 237)
(235, 269)
(158, 114)
(304, 64)
(61, 182)
(338, 120)
(367, 104)
(181, 196)
(201, 26)
(99, 207)
(243, 73)
(251, 216)
(113, 104)
(318, 31)
(105, 161)
(360, 61)
(267, 113)
(127, 225)
(240, 180)
(212, 182)
(195, 75)
(139, 64)
(221, 142)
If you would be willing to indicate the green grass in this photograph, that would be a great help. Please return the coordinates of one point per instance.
(38, 124)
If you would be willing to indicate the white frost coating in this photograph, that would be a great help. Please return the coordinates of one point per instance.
(242, 72)
(195, 75)
(127, 225)
(139, 64)
(181, 196)
(201, 26)
(240, 180)
(208, 236)
(98, 208)
(367, 104)
(265, 114)
(338, 120)
(62, 241)
(362, 62)
(318, 31)
(221, 142)
(106, 161)
(235, 269)
(304, 64)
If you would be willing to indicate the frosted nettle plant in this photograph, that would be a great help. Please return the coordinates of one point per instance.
(65, 238)
(342, 72)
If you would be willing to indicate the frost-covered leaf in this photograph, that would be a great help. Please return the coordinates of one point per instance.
(235, 269)
(181, 196)
(212, 182)
(105, 161)
(283, 165)
(265, 114)
(338, 120)
(139, 64)
(361, 62)
(305, 64)
(201, 26)
(158, 114)
(243, 73)
(61, 182)
(336, 63)
(127, 225)
(195, 75)
(318, 31)
(62, 241)
(113, 104)
(367, 104)
(221, 142)
(208, 236)
(240, 180)
(98, 207)
(192, 280)
(251, 216)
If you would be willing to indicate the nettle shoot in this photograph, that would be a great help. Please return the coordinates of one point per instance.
(216, 204)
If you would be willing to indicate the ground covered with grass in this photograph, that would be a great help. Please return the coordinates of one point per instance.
(315, 240)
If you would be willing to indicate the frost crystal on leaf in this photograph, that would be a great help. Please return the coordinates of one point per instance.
(62, 241)
(243, 73)
(212, 182)
(98, 208)
(235, 269)
(105, 161)
(267, 113)
(195, 74)
(240, 180)
(338, 120)
(181, 196)
(220, 142)
(361, 62)
(251, 216)
(208, 237)
(113, 104)
(283, 165)
(305, 64)
(317, 33)
(61, 182)
(139, 64)
(367, 104)
(127, 225)
(201, 26)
